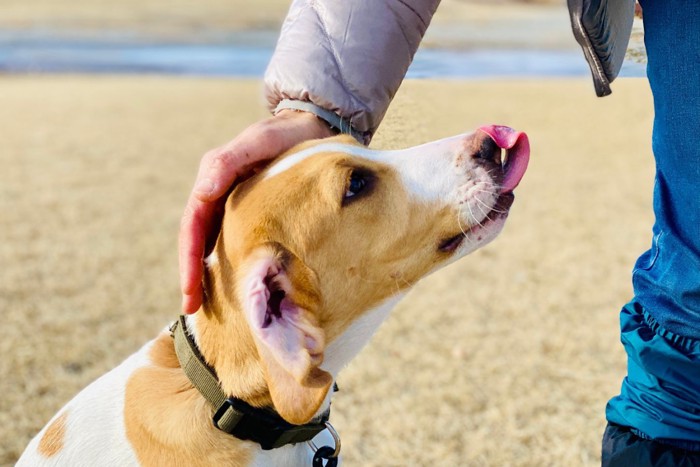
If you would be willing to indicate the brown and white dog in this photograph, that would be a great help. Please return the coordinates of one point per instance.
(312, 255)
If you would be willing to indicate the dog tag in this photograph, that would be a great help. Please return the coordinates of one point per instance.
(324, 453)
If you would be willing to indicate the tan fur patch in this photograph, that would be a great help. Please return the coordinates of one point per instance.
(52, 441)
(167, 420)
(388, 240)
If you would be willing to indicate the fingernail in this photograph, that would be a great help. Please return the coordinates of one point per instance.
(204, 187)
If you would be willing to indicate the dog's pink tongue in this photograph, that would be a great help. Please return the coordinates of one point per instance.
(517, 148)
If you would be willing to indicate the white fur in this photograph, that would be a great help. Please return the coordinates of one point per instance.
(428, 171)
(191, 321)
(346, 346)
(292, 160)
(211, 260)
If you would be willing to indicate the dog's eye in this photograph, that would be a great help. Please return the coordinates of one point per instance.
(360, 183)
(356, 184)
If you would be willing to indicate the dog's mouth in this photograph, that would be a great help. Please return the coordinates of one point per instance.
(503, 204)
(517, 154)
(511, 156)
(499, 210)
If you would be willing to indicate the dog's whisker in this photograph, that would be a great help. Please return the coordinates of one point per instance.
(368, 281)
(459, 223)
(485, 214)
(398, 285)
(491, 193)
(492, 209)
(481, 206)
(471, 213)
(407, 283)
(490, 182)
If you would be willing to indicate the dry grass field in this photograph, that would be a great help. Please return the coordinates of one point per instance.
(505, 358)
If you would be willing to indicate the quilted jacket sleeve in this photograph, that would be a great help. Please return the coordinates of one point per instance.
(347, 56)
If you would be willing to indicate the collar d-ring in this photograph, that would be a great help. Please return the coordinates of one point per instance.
(336, 440)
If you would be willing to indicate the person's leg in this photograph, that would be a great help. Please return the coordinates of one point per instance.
(667, 277)
(622, 448)
(659, 403)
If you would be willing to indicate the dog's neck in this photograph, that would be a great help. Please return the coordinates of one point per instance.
(223, 337)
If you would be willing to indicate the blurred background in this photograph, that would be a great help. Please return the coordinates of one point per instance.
(505, 358)
(236, 38)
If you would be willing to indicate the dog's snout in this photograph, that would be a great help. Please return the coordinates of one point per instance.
(485, 148)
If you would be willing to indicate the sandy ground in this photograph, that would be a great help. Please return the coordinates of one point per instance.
(505, 358)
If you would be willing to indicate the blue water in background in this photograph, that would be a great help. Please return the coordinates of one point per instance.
(247, 56)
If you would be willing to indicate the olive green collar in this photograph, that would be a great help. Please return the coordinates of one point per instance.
(232, 415)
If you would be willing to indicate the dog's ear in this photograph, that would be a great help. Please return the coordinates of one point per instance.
(279, 300)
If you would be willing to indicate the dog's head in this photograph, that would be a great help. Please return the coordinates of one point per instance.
(316, 249)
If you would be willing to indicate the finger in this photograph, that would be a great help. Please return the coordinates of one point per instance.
(261, 142)
(220, 168)
(199, 229)
(191, 250)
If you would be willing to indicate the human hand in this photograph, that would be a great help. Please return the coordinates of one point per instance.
(218, 171)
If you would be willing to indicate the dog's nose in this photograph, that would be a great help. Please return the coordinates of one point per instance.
(486, 148)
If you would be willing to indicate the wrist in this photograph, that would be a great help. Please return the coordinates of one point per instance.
(317, 127)
(333, 121)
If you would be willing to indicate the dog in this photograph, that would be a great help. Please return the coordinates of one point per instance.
(313, 253)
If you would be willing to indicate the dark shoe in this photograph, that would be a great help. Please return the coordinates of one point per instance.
(602, 28)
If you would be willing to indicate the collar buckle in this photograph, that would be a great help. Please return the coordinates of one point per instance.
(265, 427)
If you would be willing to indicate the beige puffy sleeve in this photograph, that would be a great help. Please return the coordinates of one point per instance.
(346, 58)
